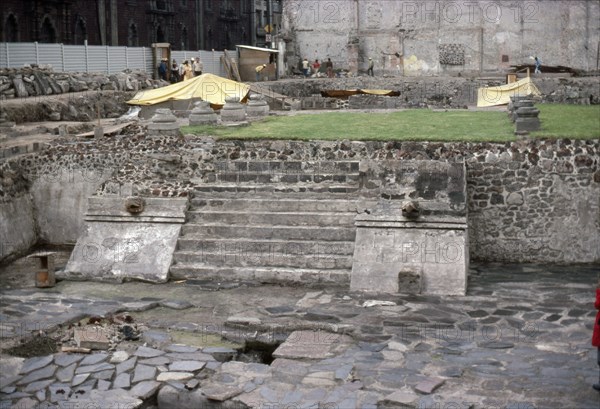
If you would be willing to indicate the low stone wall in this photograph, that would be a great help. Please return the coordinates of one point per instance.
(449, 92)
(529, 201)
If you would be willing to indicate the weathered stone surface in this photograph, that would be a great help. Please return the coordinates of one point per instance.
(91, 337)
(122, 381)
(145, 389)
(32, 364)
(94, 359)
(399, 399)
(312, 345)
(157, 361)
(36, 375)
(219, 392)
(147, 257)
(126, 365)
(103, 399)
(103, 366)
(174, 376)
(143, 373)
(170, 397)
(118, 357)
(187, 366)
(429, 385)
(67, 359)
(145, 352)
(79, 379)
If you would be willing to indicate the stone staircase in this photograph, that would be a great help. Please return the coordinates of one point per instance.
(272, 222)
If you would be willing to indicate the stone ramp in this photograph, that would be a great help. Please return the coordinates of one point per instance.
(272, 222)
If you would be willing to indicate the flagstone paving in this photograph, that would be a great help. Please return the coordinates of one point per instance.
(519, 339)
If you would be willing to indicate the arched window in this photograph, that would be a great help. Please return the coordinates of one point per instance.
(11, 29)
(184, 38)
(47, 32)
(132, 36)
(80, 34)
(160, 35)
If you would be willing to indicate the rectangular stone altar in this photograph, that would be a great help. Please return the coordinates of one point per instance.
(117, 245)
(417, 240)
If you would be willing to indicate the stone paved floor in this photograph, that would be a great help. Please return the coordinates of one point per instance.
(520, 339)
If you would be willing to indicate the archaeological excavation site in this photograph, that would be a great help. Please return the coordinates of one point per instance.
(418, 232)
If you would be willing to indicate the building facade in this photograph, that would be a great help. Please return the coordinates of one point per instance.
(185, 24)
(429, 37)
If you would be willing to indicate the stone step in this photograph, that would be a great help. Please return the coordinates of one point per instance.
(284, 178)
(330, 167)
(280, 205)
(272, 218)
(265, 189)
(262, 274)
(225, 231)
(262, 259)
(289, 247)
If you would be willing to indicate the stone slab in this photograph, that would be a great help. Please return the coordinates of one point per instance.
(115, 245)
(312, 345)
(383, 257)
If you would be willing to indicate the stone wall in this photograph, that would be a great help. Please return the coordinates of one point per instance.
(416, 38)
(529, 201)
(439, 92)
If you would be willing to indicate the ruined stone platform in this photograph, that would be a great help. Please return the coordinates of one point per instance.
(520, 338)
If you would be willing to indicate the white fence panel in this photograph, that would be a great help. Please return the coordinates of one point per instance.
(74, 58)
(51, 54)
(4, 55)
(97, 58)
(135, 58)
(80, 58)
(117, 59)
(21, 54)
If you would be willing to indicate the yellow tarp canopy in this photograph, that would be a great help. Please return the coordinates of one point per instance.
(207, 87)
(492, 96)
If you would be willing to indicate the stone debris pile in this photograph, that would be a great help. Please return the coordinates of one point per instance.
(36, 81)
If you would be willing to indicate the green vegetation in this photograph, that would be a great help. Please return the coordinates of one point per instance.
(569, 121)
(558, 121)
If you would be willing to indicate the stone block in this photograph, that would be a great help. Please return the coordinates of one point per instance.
(92, 337)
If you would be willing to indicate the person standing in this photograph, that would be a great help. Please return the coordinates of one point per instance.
(329, 68)
(370, 69)
(596, 334)
(188, 72)
(316, 66)
(538, 66)
(162, 69)
(174, 72)
(305, 68)
(198, 67)
(181, 71)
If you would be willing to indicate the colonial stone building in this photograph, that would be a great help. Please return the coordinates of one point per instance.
(186, 24)
(428, 37)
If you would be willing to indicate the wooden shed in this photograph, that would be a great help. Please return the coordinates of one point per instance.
(251, 57)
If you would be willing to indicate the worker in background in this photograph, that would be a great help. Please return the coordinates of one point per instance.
(259, 69)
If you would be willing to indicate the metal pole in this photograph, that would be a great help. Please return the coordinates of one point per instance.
(107, 59)
(62, 52)
(87, 63)
(270, 19)
(37, 54)
(8, 56)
